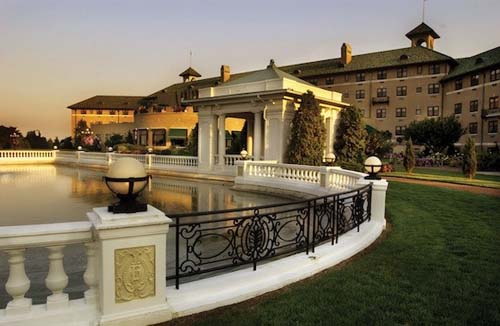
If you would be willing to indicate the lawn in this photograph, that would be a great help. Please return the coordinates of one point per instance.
(439, 264)
(447, 175)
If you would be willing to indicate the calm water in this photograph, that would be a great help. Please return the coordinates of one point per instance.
(55, 194)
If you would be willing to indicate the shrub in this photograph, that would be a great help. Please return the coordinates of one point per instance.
(409, 157)
(350, 136)
(489, 161)
(469, 164)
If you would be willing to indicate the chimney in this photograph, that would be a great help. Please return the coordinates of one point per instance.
(225, 73)
(345, 53)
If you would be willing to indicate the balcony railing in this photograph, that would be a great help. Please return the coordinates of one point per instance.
(380, 99)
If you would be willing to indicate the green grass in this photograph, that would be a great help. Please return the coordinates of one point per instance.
(439, 265)
(447, 175)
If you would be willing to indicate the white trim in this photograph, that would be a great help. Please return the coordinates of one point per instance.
(384, 80)
(473, 87)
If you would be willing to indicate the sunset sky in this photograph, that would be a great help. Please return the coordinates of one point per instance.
(56, 53)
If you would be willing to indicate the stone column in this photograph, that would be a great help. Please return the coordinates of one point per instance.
(150, 137)
(379, 188)
(132, 266)
(257, 139)
(206, 137)
(221, 148)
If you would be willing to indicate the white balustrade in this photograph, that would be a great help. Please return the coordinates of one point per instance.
(26, 156)
(56, 280)
(18, 283)
(90, 275)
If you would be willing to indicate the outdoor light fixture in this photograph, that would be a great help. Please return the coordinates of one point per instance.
(373, 165)
(244, 155)
(150, 150)
(330, 158)
(126, 178)
(110, 149)
(55, 148)
(80, 148)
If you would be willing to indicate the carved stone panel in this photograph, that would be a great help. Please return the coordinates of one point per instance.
(135, 273)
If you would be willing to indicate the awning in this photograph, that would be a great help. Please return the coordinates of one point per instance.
(177, 133)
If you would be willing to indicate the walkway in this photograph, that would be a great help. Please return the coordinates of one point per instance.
(473, 189)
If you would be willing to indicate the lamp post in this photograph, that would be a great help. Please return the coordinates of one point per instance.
(127, 178)
(79, 148)
(14, 139)
(55, 148)
(110, 149)
(244, 155)
(373, 165)
(329, 159)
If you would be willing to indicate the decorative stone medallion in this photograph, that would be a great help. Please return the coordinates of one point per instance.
(135, 275)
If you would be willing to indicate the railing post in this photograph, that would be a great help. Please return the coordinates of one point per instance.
(149, 160)
(378, 194)
(56, 280)
(90, 275)
(18, 284)
(132, 266)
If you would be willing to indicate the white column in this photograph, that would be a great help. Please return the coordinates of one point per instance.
(56, 280)
(257, 139)
(206, 138)
(18, 284)
(379, 189)
(221, 150)
(90, 275)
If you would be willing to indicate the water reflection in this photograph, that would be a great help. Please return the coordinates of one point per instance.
(54, 194)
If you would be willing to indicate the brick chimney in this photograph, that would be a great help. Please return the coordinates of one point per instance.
(345, 54)
(225, 73)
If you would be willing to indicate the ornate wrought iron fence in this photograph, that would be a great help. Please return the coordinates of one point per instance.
(206, 242)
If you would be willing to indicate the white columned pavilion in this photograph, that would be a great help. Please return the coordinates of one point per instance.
(267, 99)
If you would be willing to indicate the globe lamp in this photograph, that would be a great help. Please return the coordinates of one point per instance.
(373, 165)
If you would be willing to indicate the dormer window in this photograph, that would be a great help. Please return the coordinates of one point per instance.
(297, 71)
(479, 61)
(404, 57)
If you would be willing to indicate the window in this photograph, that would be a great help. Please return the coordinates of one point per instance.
(360, 93)
(434, 69)
(495, 74)
(382, 74)
(458, 108)
(493, 126)
(159, 137)
(360, 76)
(401, 91)
(458, 84)
(178, 137)
(433, 111)
(474, 80)
(418, 111)
(329, 81)
(400, 130)
(83, 111)
(493, 102)
(381, 113)
(314, 82)
(142, 137)
(473, 128)
(346, 95)
(112, 112)
(419, 70)
(400, 112)
(433, 88)
(381, 92)
(473, 106)
(124, 112)
(402, 72)
(419, 90)
(98, 112)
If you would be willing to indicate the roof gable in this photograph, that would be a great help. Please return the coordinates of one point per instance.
(108, 102)
(422, 29)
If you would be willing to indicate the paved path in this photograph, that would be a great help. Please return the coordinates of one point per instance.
(474, 189)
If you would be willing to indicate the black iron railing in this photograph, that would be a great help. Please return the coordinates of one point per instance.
(206, 242)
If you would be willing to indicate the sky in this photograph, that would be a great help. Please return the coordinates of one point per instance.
(56, 53)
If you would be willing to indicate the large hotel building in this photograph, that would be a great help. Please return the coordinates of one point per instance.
(393, 88)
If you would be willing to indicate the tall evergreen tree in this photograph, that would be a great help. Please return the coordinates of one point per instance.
(469, 164)
(192, 146)
(308, 133)
(350, 138)
(409, 157)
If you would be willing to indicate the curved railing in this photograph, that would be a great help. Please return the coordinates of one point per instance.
(206, 242)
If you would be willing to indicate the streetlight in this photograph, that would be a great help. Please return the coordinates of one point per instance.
(244, 155)
(110, 149)
(55, 148)
(127, 178)
(79, 148)
(150, 150)
(373, 165)
(329, 159)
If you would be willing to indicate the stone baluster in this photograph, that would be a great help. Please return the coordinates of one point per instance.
(90, 275)
(18, 284)
(56, 280)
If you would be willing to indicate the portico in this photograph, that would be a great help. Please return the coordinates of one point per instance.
(267, 100)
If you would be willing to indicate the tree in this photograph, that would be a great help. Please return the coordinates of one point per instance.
(308, 133)
(5, 136)
(130, 138)
(192, 146)
(409, 157)
(350, 139)
(36, 140)
(57, 142)
(66, 143)
(436, 135)
(378, 142)
(469, 163)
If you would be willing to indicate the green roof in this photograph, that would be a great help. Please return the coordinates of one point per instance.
(477, 62)
(190, 72)
(422, 29)
(108, 102)
(177, 133)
